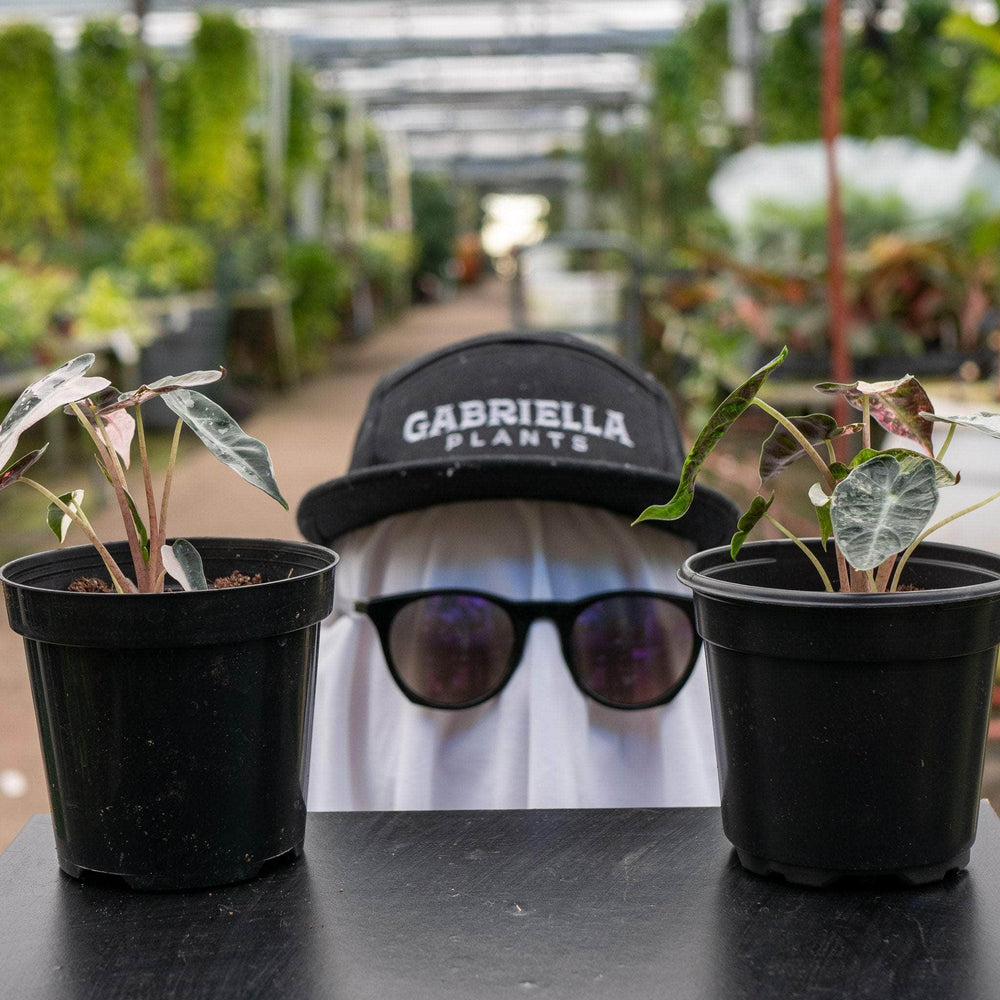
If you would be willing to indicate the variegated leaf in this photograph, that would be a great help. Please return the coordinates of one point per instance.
(169, 383)
(781, 449)
(225, 439)
(182, 562)
(988, 423)
(943, 476)
(119, 425)
(899, 406)
(66, 384)
(821, 504)
(881, 507)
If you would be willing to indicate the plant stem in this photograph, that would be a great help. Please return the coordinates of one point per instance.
(801, 440)
(843, 571)
(866, 422)
(116, 474)
(161, 537)
(947, 441)
(153, 566)
(934, 527)
(122, 583)
(884, 572)
(827, 585)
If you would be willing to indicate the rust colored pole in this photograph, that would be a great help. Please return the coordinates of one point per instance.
(148, 126)
(840, 352)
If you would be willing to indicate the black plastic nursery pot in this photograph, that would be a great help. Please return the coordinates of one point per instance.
(850, 729)
(175, 728)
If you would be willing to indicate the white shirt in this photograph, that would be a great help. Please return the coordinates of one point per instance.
(539, 743)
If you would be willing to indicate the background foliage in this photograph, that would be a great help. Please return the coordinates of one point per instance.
(215, 170)
(107, 182)
(30, 110)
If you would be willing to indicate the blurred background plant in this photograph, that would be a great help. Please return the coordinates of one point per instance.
(166, 257)
(315, 214)
(94, 220)
(30, 300)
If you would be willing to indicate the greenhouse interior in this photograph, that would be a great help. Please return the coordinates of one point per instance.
(277, 187)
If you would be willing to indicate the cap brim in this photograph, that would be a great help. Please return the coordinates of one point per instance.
(368, 495)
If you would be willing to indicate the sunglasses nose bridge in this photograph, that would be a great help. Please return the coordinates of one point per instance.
(526, 613)
(558, 614)
(550, 643)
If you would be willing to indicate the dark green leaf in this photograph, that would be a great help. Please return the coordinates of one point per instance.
(60, 522)
(226, 440)
(757, 509)
(720, 421)
(781, 449)
(21, 466)
(821, 504)
(881, 507)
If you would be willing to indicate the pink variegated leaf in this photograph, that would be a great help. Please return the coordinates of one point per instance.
(897, 406)
(120, 425)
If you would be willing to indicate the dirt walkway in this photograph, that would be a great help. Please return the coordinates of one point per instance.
(310, 432)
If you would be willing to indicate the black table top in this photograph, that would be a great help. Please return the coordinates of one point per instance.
(551, 903)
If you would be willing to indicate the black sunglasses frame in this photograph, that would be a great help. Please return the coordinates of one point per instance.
(523, 614)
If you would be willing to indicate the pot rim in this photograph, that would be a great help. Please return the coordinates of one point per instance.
(40, 608)
(84, 555)
(702, 573)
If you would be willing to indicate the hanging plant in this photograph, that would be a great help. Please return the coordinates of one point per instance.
(301, 148)
(690, 136)
(214, 166)
(29, 125)
(104, 130)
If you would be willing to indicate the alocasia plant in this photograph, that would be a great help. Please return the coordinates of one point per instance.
(106, 414)
(877, 507)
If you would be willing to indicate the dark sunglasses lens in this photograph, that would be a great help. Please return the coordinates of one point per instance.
(451, 649)
(632, 650)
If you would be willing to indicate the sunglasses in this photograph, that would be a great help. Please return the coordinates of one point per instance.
(457, 648)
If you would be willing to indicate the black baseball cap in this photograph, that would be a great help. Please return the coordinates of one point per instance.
(540, 416)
